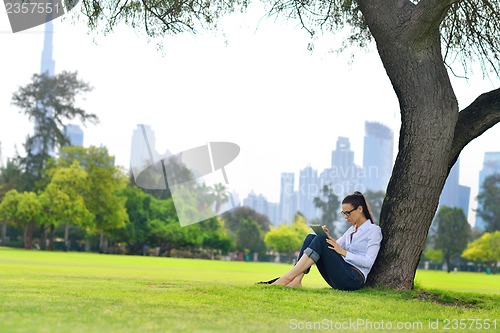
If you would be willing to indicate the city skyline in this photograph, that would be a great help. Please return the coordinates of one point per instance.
(342, 176)
(300, 198)
(454, 193)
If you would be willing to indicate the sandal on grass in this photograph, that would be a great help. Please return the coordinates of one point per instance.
(268, 282)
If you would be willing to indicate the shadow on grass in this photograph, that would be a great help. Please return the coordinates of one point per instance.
(435, 296)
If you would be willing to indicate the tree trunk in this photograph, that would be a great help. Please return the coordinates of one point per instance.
(4, 232)
(43, 237)
(25, 236)
(103, 243)
(412, 58)
(66, 236)
(51, 237)
(28, 235)
(448, 264)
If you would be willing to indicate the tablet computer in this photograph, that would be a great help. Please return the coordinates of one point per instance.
(318, 229)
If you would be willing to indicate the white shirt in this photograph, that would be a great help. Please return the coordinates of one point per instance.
(362, 250)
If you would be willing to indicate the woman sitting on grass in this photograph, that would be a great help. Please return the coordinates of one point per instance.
(345, 263)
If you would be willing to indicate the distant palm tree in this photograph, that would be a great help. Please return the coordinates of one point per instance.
(220, 195)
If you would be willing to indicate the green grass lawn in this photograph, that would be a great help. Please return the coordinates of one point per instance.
(82, 292)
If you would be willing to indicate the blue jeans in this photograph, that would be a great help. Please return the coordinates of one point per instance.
(332, 267)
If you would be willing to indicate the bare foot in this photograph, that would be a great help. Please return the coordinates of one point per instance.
(282, 281)
(294, 285)
(297, 282)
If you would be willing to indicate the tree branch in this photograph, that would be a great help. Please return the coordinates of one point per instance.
(428, 15)
(474, 120)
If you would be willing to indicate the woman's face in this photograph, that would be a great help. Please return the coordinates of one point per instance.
(351, 214)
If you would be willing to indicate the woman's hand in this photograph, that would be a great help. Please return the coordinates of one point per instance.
(333, 245)
(326, 230)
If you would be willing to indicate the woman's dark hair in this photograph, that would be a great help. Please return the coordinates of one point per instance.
(358, 199)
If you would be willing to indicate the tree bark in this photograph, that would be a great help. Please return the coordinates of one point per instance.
(4, 232)
(28, 240)
(51, 237)
(411, 55)
(66, 237)
(433, 132)
(475, 119)
(448, 264)
(418, 178)
(43, 237)
(101, 242)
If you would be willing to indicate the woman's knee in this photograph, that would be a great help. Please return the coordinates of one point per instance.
(309, 238)
(320, 239)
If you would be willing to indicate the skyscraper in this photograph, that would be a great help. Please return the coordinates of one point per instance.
(75, 135)
(48, 63)
(287, 205)
(454, 194)
(47, 67)
(343, 156)
(143, 155)
(491, 165)
(343, 174)
(309, 188)
(259, 203)
(377, 156)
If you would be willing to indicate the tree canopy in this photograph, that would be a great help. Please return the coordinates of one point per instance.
(470, 30)
(288, 239)
(49, 101)
(485, 249)
(453, 233)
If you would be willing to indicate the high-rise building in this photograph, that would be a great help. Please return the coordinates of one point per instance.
(449, 195)
(75, 135)
(273, 209)
(343, 156)
(143, 148)
(259, 203)
(47, 67)
(464, 198)
(454, 194)
(287, 204)
(256, 202)
(491, 165)
(377, 156)
(48, 64)
(343, 174)
(309, 188)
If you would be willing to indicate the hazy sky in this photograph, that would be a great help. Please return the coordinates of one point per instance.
(253, 83)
